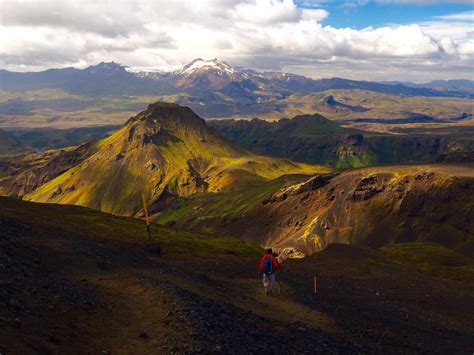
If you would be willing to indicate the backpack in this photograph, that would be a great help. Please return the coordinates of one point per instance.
(268, 265)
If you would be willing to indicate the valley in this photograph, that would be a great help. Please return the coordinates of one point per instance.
(362, 124)
(193, 178)
(97, 95)
(315, 139)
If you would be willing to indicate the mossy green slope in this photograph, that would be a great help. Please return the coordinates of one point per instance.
(432, 258)
(92, 224)
(211, 212)
(163, 152)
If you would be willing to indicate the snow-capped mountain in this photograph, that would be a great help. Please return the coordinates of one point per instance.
(203, 79)
(210, 74)
(213, 74)
(200, 66)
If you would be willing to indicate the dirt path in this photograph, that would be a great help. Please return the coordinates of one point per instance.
(133, 317)
(370, 302)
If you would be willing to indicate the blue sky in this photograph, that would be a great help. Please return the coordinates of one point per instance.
(361, 14)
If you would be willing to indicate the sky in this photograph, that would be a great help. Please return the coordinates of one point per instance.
(378, 40)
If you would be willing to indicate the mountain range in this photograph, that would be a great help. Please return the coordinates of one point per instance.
(210, 75)
(460, 85)
(109, 93)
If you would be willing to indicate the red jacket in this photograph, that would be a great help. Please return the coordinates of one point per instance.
(274, 262)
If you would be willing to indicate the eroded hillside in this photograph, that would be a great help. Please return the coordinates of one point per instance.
(374, 206)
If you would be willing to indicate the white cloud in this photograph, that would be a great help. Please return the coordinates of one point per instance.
(266, 12)
(265, 34)
(317, 15)
(106, 18)
(463, 16)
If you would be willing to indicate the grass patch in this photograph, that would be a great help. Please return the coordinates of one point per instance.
(92, 224)
(432, 258)
(226, 204)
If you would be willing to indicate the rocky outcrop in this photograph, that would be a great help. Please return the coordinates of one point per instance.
(311, 184)
(354, 139)
(367, 188)
(28, 172)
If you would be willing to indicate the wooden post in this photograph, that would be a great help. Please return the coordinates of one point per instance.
(279, 283)
(314, 284)
(147, 219)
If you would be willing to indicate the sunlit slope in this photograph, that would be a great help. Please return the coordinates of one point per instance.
(164, 152)
(376, 206)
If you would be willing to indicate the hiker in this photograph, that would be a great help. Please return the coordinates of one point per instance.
(269, 266)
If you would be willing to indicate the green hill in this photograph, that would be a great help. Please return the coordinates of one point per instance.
(163, 152)
(77, 221)
(9, 145)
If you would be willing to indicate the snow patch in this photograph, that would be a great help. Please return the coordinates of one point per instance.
(159, 69)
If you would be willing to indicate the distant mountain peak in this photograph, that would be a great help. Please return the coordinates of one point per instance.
(164, 112)
(162, 120)
(201, 65)
(106, 67)
(160, 108)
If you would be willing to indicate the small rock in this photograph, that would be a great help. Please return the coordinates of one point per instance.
(153, 249)
(143, 335)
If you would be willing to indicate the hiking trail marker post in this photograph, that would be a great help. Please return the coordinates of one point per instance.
(147, 219)
(314, 285)
(279, 283)
(149, 247)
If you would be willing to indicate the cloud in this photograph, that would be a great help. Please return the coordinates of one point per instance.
(265, 34)
(317, 15)
(463, 16)
(106, 18)
(423, 2)
(267, 12)
(273, 11)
